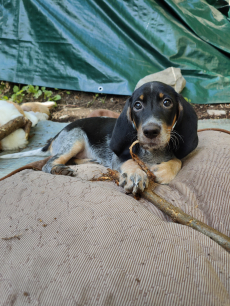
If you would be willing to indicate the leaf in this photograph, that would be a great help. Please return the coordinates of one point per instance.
(15, 89)
(38, 94)
(13, 97)
(57, 97)
(5, 98)
(43, 88)
(68, 92)
(25, 88)
(47, 93)
(31, 89)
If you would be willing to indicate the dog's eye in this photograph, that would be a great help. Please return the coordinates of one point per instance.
(167, 103)
(138, 105)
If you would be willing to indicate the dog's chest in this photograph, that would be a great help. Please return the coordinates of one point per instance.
(155, 156)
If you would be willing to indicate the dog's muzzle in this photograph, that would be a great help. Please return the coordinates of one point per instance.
(151, 131)
(150, 136)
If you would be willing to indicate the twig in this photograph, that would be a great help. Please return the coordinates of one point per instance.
(12, 126)
(174, 212)
(27, 128)
(13, 237)
(111, 175)
(179, 216)
(141, 164)
(214, 129)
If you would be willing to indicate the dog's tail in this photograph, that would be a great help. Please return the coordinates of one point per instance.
(39, 152)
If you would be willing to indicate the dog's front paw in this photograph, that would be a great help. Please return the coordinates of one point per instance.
(166, 171)
(132, 178)
(63, 170)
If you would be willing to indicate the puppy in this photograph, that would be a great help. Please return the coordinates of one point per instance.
(159, 118)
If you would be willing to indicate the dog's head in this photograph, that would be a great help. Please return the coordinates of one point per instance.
(159, 117)
(153, 111)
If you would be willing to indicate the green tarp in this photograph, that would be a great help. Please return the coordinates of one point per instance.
(108, 45)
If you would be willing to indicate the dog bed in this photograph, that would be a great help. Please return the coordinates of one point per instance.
(72, 241)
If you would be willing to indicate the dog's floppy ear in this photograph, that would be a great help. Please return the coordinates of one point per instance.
(186, 127)
(123, 134)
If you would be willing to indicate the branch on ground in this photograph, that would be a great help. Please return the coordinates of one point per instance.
(27, 128)
(12, 126)
(174, 212)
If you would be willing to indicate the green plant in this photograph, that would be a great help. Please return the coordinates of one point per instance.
(94, 99)
(103, 99)
(188, 100)
(35, 91)
(55, 98)
(18, 94)
(48, 94)
(4, 87)
(4, 97)
(28, 90)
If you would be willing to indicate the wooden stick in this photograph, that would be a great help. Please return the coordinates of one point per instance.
(12, 126)
(214, 129)
(142, 165)
(179, 216)
(27, 128)
(174, 212)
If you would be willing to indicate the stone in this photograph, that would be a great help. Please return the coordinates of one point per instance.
(216, 112)
(170, 76)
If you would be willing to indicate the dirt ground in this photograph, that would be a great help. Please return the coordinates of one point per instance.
(77, 105)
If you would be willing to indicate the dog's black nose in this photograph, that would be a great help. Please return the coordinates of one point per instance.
(151, 131)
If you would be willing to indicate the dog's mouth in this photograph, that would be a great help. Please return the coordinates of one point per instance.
(151, 145)
(148, 146)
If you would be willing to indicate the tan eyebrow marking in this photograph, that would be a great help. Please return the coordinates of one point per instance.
(141, 97)
(161, 95)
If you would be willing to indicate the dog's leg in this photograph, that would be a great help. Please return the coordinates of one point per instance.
(132, 178)
(53, 167)
(166, 171)
(57, 164)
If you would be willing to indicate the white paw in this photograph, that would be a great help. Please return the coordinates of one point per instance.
(132, 178)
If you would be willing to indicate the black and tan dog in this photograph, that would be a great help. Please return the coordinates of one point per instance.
(163, 122)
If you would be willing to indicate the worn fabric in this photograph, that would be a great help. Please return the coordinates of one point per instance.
(71, 241)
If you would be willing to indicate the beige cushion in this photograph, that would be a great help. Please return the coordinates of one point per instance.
(78, 242)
